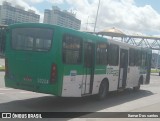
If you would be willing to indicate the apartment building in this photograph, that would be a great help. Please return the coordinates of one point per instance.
(16, 14)
(61, 18)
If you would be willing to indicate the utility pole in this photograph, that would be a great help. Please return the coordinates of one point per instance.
(96, 17)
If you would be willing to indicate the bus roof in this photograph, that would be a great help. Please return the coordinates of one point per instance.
(122, 44)
(92, 36)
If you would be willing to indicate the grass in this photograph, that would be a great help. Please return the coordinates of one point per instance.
(155, 70)
(2, 68)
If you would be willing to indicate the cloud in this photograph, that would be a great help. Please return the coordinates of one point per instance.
(55, 1)
(126, 15)
(123, 14)
(34, 1)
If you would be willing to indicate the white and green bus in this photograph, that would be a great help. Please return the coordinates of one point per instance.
(60, 61)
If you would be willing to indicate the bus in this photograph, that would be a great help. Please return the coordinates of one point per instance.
(68, 63)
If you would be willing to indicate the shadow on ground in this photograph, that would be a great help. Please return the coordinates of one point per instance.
(85, 104)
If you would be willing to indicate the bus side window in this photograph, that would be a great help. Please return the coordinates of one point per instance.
(72, 49)
(102, 54)
(113, 55)
(138, 58)
(132, 57)
(144, 58)
(88, 55)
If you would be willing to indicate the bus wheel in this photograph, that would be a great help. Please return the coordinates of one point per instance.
(137, 87)
(103, 90)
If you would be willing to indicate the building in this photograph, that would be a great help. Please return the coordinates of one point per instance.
(16, 14)
(61, 18)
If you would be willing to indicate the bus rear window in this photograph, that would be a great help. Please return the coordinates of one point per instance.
(36, 39)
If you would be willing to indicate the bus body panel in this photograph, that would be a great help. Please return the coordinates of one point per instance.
(28, 71)
(31, 70)
(72, 85)
(133, 76)
(113, 75)
(72, 81)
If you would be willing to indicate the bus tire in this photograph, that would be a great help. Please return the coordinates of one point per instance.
(136, 88)
(103, 90)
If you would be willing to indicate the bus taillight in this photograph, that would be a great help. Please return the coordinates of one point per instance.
(53, 73)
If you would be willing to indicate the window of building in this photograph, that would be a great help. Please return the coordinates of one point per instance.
(72, 49)
(101, 58)
(113, 55)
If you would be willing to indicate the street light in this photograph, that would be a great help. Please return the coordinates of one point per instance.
(96, 17)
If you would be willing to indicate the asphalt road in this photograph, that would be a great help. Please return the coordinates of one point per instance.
(145, 100)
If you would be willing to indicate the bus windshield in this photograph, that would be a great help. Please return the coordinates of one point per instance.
(36, 39)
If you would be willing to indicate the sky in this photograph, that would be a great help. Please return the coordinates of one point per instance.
(129, 16)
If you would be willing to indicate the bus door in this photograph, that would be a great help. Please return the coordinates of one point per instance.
(89, 53)
(123, 68)
(148, 64)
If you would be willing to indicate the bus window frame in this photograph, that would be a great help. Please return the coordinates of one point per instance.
(144, 62)
(107, 53)
(132, 59)
(139, 56)
(34, 50)
(81, 49)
